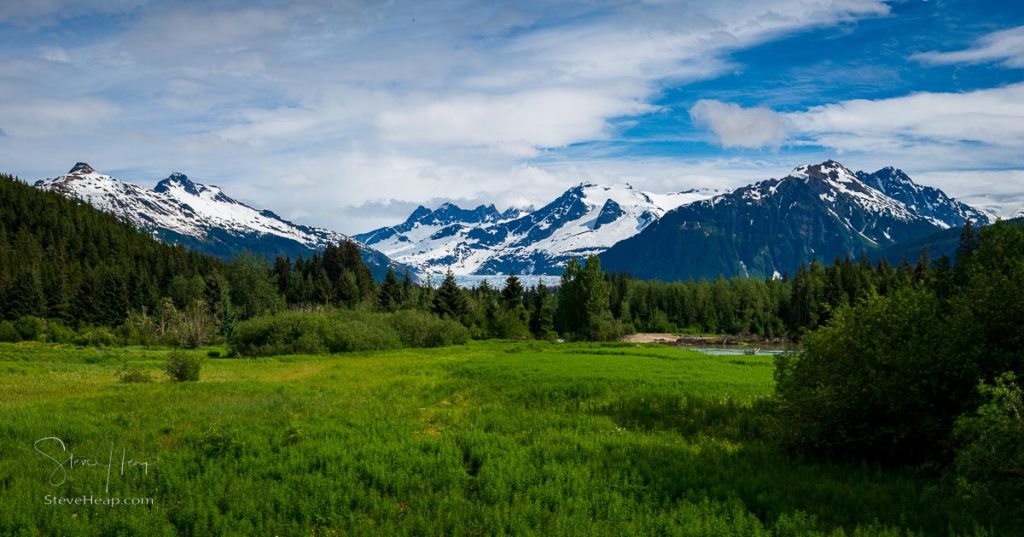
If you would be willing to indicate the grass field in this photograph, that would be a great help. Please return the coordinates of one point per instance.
(487, 439)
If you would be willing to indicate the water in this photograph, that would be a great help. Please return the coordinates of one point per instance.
(735, 351)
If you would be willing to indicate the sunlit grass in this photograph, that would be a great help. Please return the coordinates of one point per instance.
(490, 438)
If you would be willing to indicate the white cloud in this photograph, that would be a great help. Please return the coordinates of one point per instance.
(44, 117)
(977, 122)
(1004, 46)
(736, 126)
(347, 103)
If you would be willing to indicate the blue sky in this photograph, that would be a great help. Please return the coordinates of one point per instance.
(349, 114)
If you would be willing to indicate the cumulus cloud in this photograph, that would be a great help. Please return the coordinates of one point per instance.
(992, 118)
(352, 102)
(1004, 46)
(735, 126)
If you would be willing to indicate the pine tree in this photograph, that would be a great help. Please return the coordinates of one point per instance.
(389, 295)
(542, 313)
(512, 293)
(450, 300)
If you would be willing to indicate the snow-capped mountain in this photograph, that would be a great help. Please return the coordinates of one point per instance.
(585, 220)
(771, 227)
(926, 201)
(200, 216)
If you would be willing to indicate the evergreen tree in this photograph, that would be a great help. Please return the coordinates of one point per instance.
(512, 293)
(542, 313)
(389, 295)
(450, 300)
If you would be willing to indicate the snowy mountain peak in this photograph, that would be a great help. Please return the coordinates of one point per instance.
(180, 181)
(81, 168)
(585, 219)
(178, 209)
(829, 170)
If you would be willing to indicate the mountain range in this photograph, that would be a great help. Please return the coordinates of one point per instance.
(202, 217)
(770, 227)
(765, 229)
(586, 219)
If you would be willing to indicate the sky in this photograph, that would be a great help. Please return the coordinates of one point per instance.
(349, 114)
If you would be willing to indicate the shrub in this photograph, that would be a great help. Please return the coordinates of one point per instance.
(421, 329)
(342, 331)
(989, 465)
(285, 333)
(183, 367)
(883, 379)
(131, 374)
(56, 332)
(360, 334)
(8, 333)
(30, 328)
(213, 354)
(94, 336)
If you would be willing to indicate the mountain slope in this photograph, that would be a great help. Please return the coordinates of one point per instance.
(926, 201)
(66, 260)
(584, 220)
(771, 227)
(199, 216)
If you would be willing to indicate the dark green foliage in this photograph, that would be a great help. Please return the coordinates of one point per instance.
(880, 381)
(512, 293)
(989, 465)
(450, 300)
(542, 313)
(389, 296)
(183, 367)
(583, 303)
(93, 268)
(888, 377)
(30, 328)
(253, 290)
(8, 333)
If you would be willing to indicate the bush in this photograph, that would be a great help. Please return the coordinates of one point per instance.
(94, 336)
(366, 334)
(421, 329)
(285, 333)
(8, 333)
(989, 467)
(56, 332)
(883, 379)
(30, 328)
(213, 354)
(131, 374)
(342, 331)
(183, 367)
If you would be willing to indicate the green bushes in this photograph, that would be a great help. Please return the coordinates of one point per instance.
(30, 328)
(342, 331)
(989, 466)
(420, 329)
(8, 334)
(94, 336)
(880, 380)
(183, 367)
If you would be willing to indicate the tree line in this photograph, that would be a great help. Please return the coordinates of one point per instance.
(64, 261)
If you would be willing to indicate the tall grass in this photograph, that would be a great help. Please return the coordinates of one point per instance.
(484, 439)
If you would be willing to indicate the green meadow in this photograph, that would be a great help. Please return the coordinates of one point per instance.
(491, 438)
